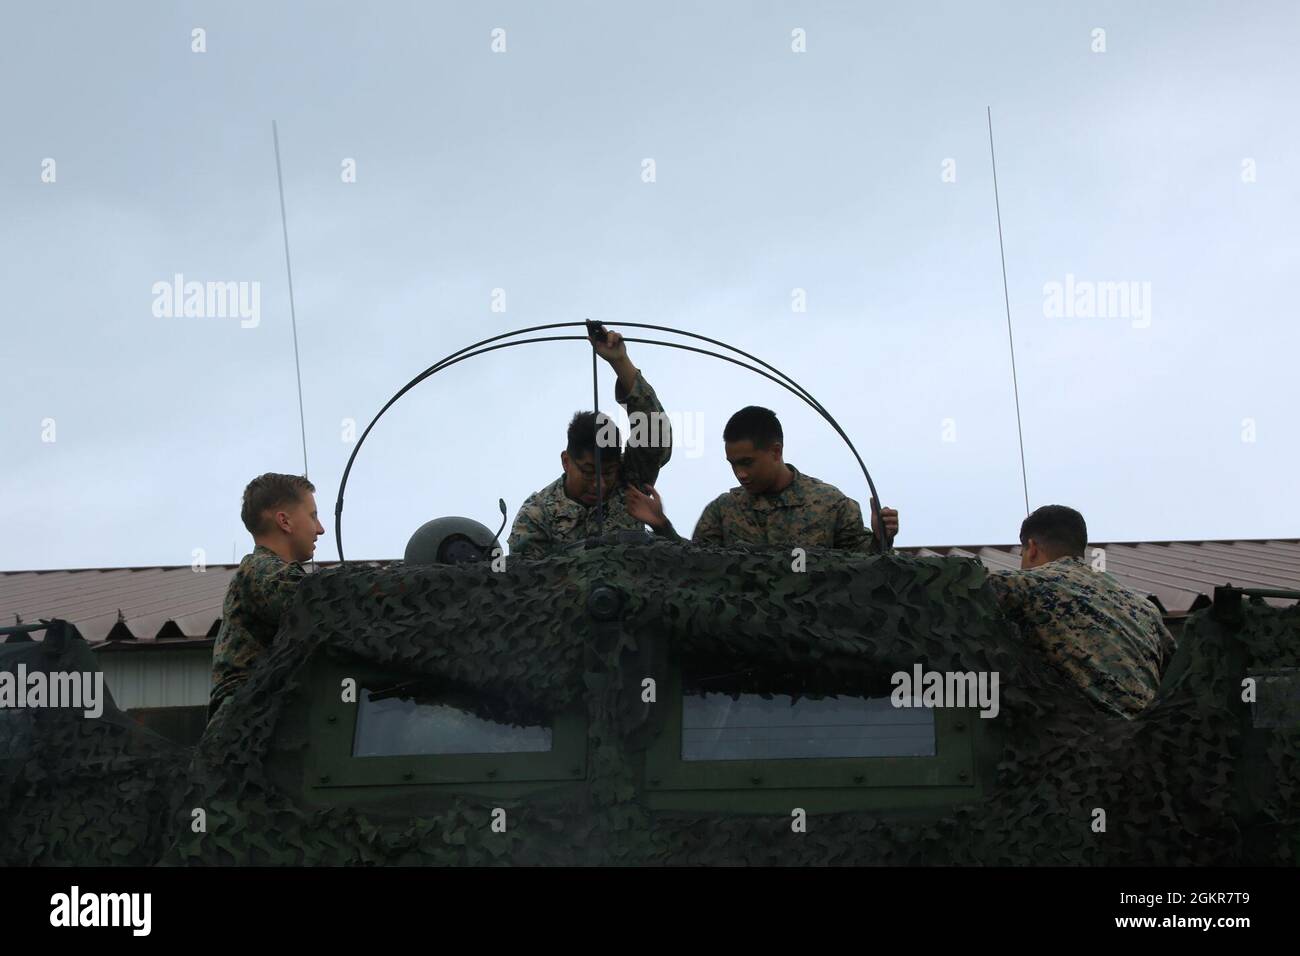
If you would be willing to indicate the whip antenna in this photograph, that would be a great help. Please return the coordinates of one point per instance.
(293, 317)
(1007, 299)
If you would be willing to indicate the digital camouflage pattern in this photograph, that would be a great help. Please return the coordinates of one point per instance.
(260, 590)
(807, 513)
(1195, 779)
(1109, 640)
(549, 519)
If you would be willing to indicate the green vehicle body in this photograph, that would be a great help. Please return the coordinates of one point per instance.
(598, 646)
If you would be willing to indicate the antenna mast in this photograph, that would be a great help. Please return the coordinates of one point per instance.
(1006, 297)
(293, 317)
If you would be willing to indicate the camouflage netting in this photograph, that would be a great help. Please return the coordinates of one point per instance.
(75, 790)
(1174, 785)
(1190, 781)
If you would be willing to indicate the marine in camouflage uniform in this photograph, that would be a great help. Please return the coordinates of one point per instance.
(1108, 640)
(279, 511)
(775, 504)
(263, 586)
(550, 519)
(807, 513)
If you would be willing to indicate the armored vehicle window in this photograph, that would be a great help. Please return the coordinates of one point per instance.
(745, 726)
(375, 731)
(740, 738)
(404, 723)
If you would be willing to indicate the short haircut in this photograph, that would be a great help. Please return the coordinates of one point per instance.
(582, 437)
(1057, 529)
(267, 493)
(755, 424)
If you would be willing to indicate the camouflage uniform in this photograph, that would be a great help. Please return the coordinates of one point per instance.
(549, 519)
(1107, 639)
(806, 513)
(261, 589)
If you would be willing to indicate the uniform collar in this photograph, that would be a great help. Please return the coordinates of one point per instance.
(1069, 561)
(263, 549)
(791, 496)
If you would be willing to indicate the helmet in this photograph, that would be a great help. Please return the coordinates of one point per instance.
(450, 541)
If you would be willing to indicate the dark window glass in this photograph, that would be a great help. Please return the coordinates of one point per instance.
(741, 726)
(399, 725)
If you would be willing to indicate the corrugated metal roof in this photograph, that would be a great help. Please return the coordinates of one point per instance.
(179, 601)
(1176, 573)
(148, 602)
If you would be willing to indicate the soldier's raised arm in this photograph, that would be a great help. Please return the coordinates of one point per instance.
(850, 532)
(650, 442)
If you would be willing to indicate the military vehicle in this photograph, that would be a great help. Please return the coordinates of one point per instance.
(633, 701)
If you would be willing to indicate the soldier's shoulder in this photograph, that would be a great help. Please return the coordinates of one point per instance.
(1056, 573)
(821, 492)
(532, 501)
(1041, 585)
(1099, 581)
(731, 498)
(1006, 580)
(1133, 601)
(539, 498)
(1149, 610)
(1071, 583)
(265, 563)
(1141, 603)
(262, 558)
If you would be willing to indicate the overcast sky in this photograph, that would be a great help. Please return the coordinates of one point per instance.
(856, 171)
